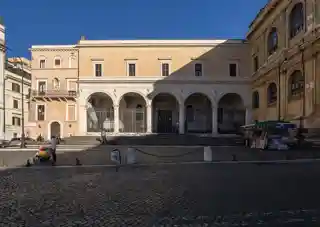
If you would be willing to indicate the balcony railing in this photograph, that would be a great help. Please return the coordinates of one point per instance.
(53, 93)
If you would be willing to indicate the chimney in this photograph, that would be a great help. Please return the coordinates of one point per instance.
(83, 37)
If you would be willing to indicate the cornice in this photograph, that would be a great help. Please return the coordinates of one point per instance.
(53, 49)
(195, 82)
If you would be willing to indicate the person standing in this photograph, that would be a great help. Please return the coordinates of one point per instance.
(53, 143)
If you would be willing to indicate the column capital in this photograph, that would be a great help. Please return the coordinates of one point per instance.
(115, 106)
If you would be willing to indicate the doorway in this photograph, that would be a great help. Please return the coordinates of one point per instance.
(55, 129)
(165, 121)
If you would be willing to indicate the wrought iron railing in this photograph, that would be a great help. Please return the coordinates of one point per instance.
(53, 93)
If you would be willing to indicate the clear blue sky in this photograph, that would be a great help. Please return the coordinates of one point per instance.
(36, 22)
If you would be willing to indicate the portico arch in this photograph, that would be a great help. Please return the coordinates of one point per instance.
(165, 113)
(100, 113)
(198, 113)
(132, 111)
(231, 113)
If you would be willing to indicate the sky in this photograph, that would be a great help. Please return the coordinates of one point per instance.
(57, 22)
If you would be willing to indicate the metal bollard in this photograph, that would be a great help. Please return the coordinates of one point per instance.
(131, 155)
(207, 154)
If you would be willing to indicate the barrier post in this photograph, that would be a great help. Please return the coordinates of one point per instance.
(131, 155)
(207, 154)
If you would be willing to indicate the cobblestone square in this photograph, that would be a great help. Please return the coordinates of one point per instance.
(155, 195)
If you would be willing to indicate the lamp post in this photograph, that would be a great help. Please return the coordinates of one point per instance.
(22, 145)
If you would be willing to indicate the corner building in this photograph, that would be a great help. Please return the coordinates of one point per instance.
(141, 87)
(284, 43)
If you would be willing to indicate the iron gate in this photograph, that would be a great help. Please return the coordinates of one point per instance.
(133, 121)
(98, 119)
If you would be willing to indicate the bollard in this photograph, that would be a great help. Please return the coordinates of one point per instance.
(131, 155)
(78, 163)
(207, 154)
(234, 158)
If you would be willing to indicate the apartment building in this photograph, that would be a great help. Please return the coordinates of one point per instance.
(2, 64)
(17, 84)
(140, 87)
(284, 43)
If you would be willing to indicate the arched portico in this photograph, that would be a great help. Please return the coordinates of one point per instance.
(165, 113)
(132, 113)
(231, 113)
(198, 113)
(100, 113)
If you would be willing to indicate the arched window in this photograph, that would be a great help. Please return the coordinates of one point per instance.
(56, 84)
(255, 100)
(296, 19)
(42, 62)
(57, 62)
(296, 83)
(272, 41)
(272, 93)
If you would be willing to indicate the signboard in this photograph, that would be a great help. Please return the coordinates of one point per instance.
(115, 156)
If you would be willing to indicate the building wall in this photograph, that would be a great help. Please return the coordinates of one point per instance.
(11, 111)
(2, 64)
(297, 53)
(215, 57)
(57, 98)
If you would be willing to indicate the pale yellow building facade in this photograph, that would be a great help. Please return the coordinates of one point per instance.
(140, 87)
(284, 43)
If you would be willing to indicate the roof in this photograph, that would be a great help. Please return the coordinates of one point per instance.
(86, 43)
(263, 12)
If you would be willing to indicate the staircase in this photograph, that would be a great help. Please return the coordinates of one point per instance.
(81, 140)
(160, 140)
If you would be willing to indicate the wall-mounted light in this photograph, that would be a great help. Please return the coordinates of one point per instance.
(39, 126)
(70, 125)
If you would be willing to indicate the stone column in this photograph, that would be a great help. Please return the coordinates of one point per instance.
(214, 120)
(181, 118)
(149, 118)
(116, 118)
(248, 118)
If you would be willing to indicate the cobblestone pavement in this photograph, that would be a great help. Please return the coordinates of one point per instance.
(223, 195)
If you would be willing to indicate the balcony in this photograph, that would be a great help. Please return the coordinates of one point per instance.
(51, 94)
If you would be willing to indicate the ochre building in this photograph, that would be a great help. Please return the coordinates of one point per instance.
(140, 87)
(284, 43)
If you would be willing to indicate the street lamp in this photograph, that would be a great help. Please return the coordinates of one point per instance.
(22, 145)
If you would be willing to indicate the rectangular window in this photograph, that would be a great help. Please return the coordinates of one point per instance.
(71, 112)
(132, 69)
(72, 85)
(198, 69)
(15, 87)
(42, 64)
(40, 112)
(255, 63)
(57, 62)
(42, 87)
(16, 121)
(165, 69)
(233, 70)
(98, 69)
(15, 104)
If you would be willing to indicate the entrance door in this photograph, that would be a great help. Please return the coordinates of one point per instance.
(165, 121)
(55, 129)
